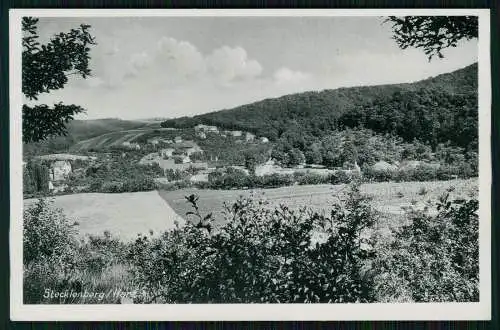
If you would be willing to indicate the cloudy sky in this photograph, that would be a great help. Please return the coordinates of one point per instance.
(172, 66)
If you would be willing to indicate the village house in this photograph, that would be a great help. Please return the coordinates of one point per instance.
(187, 147)
(201, 135)
(59, 170)
(264, 139)
(165, 141)
(177, 139)
(182, 159)
(167, 152)
(170, 164)
(236, 133)
(268, 167)
(206, 128)
(131, 145)
(153, 141)
(191, 150)
(249, 137)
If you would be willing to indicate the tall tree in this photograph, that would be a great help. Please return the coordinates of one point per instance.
(46, 67)
(433, 33)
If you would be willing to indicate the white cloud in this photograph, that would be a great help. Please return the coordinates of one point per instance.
(285, 76)
(138, 62)
(228, 63)
(180, 57)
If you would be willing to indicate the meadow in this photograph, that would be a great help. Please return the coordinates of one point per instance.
(125, 215)
(387, 197)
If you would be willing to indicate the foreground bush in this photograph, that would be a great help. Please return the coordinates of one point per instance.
(433, 258)
(55, 260)
(263, 254)
(260, 255)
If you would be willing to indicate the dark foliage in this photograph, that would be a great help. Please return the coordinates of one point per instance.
(260, 256)
(41, 121)
(433, 258)
(433, 33)
(46, 67)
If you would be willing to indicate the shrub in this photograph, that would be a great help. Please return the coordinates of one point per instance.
(112, 187)
(260, 255)
(311, 178)
(140, 184)
(274, 180)
(340, 177)
(178, 185)
(49, 244)
(54, 259)
(433, 258)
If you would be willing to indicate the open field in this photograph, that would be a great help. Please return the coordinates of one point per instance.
(120, 214)
(123, 215)
(387, 197)
(116, 138)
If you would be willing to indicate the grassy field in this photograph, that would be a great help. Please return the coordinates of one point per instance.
(116, 138)
(127, 214)
(387, 197)
(123, 215)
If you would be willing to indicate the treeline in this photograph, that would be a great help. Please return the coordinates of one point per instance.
(115, 175)
(438, 110)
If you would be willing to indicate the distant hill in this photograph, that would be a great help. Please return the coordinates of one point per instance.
(433, 110)
(84, 129)
(79, 130)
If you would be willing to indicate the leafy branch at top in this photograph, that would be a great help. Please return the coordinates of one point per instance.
(433, 33)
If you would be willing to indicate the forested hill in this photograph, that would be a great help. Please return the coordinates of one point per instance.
(434, 110)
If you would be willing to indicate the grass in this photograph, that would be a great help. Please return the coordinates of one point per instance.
(123, 215)
(387, 197)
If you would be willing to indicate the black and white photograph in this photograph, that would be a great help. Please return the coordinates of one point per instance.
(321, 163)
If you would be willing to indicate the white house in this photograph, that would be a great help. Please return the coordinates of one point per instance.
(201, 135)
(236, 133)
(264, 139)
(167, 152)
(59, 170)
(206, 128)
(184, 159)
(249, 136)
(267, 168)
(132, 145)
(191, 150)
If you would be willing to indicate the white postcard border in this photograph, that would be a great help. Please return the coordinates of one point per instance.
(376, 311)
